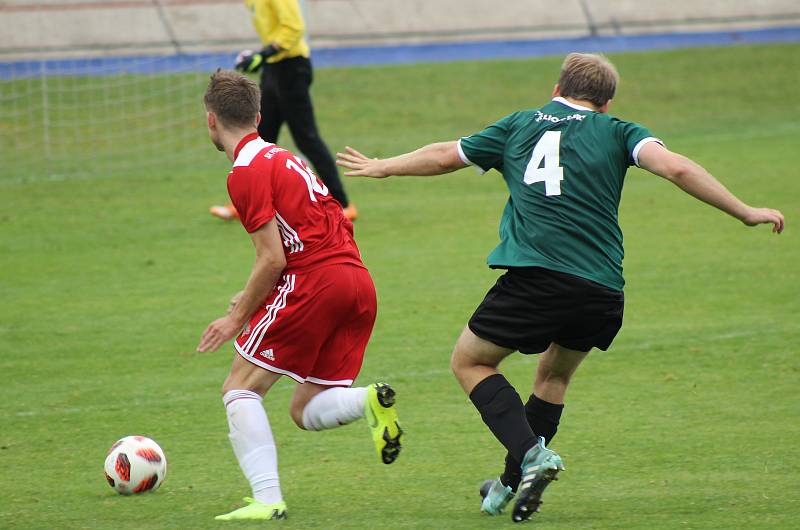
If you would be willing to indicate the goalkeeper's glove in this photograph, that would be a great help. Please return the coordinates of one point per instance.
(249, 61)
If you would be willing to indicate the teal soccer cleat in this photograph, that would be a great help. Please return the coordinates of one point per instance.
(539, 467)
(495, 497)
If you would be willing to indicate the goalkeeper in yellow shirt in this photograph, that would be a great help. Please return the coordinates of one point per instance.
(286, 76)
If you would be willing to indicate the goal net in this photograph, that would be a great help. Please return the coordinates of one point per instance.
(101, 116)
(103, 87)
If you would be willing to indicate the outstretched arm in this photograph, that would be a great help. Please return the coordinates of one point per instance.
(699, 183)
(433, 159)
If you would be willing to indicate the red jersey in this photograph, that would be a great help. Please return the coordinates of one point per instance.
(268, 181)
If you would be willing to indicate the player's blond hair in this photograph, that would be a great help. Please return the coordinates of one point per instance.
(589, 77)
(233, 97)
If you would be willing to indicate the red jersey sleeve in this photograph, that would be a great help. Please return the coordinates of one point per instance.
(251, 193)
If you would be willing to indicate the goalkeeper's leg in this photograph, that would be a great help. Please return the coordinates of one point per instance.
(271, 116)
(298, 110)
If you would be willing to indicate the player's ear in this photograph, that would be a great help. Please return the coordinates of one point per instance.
(211, 119)
(258, 119)
(556, 91)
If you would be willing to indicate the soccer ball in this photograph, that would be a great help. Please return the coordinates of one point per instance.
(135, 464)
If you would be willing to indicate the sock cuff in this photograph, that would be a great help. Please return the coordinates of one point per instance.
(488, 388)
(233, 395)
(550, 411)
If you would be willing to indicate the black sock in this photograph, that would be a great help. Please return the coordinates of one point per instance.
(543, 417)
(512, 474)
(502, 411)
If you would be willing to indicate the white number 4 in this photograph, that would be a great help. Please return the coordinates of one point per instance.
(546, 149)
(313, 184)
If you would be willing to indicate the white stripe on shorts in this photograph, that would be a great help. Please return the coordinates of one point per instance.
(341, 382)
(258, 331)
(249, 340)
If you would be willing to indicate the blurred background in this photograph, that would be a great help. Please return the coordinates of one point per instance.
(103, 86)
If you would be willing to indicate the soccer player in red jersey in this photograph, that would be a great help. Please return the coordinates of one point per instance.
(307, 310)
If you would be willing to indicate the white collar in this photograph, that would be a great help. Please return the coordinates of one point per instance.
(563, 101)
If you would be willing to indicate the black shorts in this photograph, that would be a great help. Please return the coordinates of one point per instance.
(530, 307)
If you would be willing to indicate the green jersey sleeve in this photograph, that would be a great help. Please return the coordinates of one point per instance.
(485, 149)
(633, 136)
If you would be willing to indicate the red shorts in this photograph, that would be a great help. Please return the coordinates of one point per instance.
(314, 326)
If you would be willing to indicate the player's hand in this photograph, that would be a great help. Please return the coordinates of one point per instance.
(218, 332)
(360, 165)
(234, 300)
(757, 216)
(249, 61)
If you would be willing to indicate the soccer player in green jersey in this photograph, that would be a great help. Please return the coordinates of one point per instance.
(561, 246)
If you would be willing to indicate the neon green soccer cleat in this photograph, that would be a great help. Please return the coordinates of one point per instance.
(539, 467)
(495, 497)
(255, 510)
(381, 415)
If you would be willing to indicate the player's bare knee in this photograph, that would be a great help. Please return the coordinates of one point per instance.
(298, 405)
(229, 385)
(459, 361)
(238, 383)
(553, 378)
(296, 412)
(557, 365)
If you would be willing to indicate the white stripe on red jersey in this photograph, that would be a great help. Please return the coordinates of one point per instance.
(290, 238)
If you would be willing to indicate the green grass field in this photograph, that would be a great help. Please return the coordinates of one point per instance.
(691, 420)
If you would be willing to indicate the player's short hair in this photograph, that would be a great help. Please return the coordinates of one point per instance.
(233, 97)
(588, 76)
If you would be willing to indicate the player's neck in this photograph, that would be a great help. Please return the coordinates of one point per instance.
(231, 138)
(582, 103)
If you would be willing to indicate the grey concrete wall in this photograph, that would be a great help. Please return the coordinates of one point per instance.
(103, 27)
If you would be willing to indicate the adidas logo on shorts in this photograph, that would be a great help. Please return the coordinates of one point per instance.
(267, 354)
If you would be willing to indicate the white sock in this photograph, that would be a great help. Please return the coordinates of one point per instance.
(253, 444)
(334, 407)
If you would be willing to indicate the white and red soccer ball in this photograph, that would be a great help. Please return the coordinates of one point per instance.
(135, 464)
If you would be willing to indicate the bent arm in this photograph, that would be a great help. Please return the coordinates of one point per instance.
(433, 159)
(270, 262)
(692, 178)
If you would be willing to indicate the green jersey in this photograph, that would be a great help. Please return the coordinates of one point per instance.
(564, 166)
